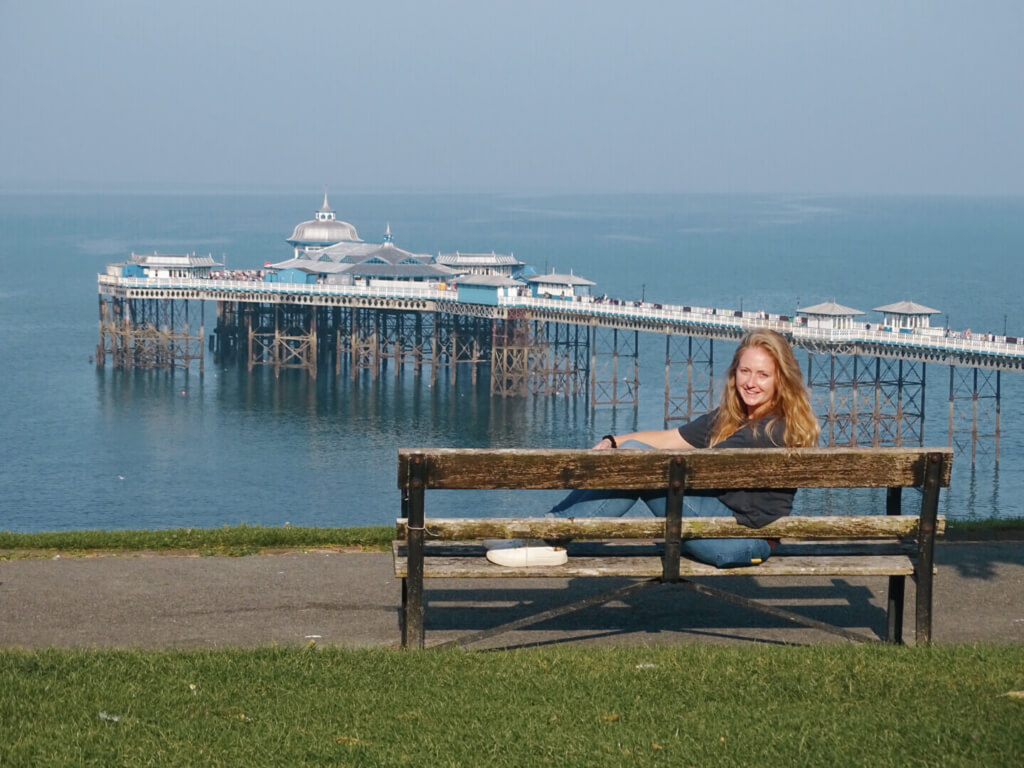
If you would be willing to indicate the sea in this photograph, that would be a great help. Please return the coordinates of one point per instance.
(88, 448)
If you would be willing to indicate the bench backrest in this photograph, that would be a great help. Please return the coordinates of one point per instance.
(457, 468)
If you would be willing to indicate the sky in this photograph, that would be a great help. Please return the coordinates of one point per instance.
(718, 96)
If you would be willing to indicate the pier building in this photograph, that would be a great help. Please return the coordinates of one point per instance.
(908, 316)
(162, 265)
(352, 263)
(322, 231)
(564, 286)
(484, 264)
(829, 315)
(399, 311)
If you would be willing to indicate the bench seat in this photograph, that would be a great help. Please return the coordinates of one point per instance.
(466, 560)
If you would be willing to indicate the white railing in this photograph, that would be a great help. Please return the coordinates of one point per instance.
(404, 291)
(588, 307)
(668, 313)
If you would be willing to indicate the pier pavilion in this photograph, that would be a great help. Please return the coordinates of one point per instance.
(829, 315)
(322, 231)
(908, 316)
(367, 264)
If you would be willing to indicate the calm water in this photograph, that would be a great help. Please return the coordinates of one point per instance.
(84, 448)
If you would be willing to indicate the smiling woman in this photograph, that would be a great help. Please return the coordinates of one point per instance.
(764, 405)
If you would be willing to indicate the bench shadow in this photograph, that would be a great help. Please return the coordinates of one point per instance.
(659, 609)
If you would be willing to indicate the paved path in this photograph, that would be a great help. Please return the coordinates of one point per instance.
(352, 599)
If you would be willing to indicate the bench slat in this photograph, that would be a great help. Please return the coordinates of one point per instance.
(651, 567)
(452, 468)
(584, 528)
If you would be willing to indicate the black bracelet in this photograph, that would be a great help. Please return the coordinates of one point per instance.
(611, 439)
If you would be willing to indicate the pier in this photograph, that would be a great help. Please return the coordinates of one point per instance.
(868, 381)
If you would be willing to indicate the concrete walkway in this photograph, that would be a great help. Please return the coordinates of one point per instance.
(352, 599)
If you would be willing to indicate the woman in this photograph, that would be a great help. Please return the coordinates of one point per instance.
(764, 405)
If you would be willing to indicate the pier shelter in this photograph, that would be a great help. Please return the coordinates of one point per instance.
(487, 289)
(829, 315)
(907, 316)
(562, 286)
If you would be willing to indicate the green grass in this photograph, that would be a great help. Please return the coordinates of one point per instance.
(992, 529)
(229, 540)
(680, 706)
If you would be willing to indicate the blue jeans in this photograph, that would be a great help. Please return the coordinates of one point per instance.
(721, 553)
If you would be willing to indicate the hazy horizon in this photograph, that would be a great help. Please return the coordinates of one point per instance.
(809, 97)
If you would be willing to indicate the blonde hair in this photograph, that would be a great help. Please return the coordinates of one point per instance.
(790, 401)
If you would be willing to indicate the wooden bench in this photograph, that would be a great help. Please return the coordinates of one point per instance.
(886, 543)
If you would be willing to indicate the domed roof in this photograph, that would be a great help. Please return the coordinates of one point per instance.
(325, 229)
(323, 233)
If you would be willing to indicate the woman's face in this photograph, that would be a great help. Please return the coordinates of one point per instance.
(755, 381)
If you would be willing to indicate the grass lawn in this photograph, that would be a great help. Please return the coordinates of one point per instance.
(230, 540)
(680, 706)
(690, 705)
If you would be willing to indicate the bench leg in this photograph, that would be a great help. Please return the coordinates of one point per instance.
(413, 634)
(894, 630)
(926, 549)
(923, 633)
(412, 584)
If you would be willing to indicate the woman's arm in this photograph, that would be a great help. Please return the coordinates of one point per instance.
(663, 439)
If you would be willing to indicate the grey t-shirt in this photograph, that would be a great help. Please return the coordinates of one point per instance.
(752, 507)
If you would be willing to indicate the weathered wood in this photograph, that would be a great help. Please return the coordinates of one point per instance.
(655, 548)
(639, 548)
(413, 628)
(651, 567)
(584, 528)
(926, 548)
(451, 468)
(673, 520)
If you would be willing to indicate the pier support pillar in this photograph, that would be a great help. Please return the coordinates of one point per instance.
(614, 367)
(512, 348)
(689, 366)
(867, 401)
(149, 334)
(974, 411)
(284, 337)
(561, 359)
